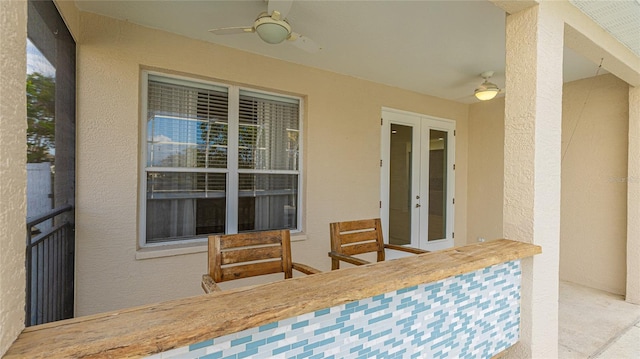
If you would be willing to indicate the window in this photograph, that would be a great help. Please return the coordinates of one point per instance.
(218, 159)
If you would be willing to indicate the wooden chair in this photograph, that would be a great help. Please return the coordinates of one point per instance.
(358, 237)
(236, 256)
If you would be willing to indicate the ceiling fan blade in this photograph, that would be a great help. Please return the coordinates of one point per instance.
(281, 6)
(304, 43)
(232, 30)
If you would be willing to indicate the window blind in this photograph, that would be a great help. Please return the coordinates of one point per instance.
(268, 132)
(186, 126)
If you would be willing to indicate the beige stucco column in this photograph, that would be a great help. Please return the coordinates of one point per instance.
(13, 172)
(633, 199)
(533, 115)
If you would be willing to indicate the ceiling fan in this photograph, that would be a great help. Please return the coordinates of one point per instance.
(272, 27)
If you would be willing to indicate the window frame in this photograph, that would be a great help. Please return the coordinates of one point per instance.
(232, 171)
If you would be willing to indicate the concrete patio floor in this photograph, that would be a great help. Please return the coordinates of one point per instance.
(597, 324)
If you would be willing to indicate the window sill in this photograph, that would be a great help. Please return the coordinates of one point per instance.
(179, 249)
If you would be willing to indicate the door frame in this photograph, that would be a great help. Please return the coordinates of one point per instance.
(433, 123)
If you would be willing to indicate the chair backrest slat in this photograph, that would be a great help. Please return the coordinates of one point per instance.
(360, 248)
(250, 270)
(251, 254)
(358, 225)
(355, 237)
(251, 239)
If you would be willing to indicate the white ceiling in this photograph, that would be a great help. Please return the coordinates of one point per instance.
(437, 48)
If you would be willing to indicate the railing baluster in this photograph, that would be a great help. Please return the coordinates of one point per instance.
(71, 262)
(41, 282)
(59, 288)
(56, 284)
(47, 282)
(54, 277)
(28, 257)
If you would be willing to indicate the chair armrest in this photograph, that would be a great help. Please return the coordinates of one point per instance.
(304, 268)
(348, 259)
(209, 285)
(405, 249)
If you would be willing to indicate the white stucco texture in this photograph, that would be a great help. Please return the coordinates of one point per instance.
(13, 175)
(533, 116)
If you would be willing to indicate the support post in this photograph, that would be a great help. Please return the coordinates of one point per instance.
(633, 199)
(13, 171)
(532, 161)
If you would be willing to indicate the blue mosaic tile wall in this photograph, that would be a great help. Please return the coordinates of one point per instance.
(473, 315)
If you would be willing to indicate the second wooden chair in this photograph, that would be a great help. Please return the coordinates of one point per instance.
(357, 237)
(243, 255)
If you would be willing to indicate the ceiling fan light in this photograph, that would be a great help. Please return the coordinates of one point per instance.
(273, 32)
(486, 91)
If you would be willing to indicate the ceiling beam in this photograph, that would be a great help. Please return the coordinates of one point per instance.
(514, 6)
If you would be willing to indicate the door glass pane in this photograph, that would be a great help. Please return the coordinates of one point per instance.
(437, 184)
(401, 147)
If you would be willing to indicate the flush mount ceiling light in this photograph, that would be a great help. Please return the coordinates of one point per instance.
(271, 30)
(487, 90)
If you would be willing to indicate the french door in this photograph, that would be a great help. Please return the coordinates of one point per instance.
(417, 169)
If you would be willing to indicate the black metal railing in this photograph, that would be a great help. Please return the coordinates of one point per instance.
(50, 268)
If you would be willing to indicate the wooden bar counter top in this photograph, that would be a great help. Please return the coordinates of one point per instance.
(150, 329)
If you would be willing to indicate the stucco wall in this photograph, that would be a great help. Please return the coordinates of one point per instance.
(486, 170)
(594, 190)
(13, 173)
(632, 294)
(594, 175)
(341, 154)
